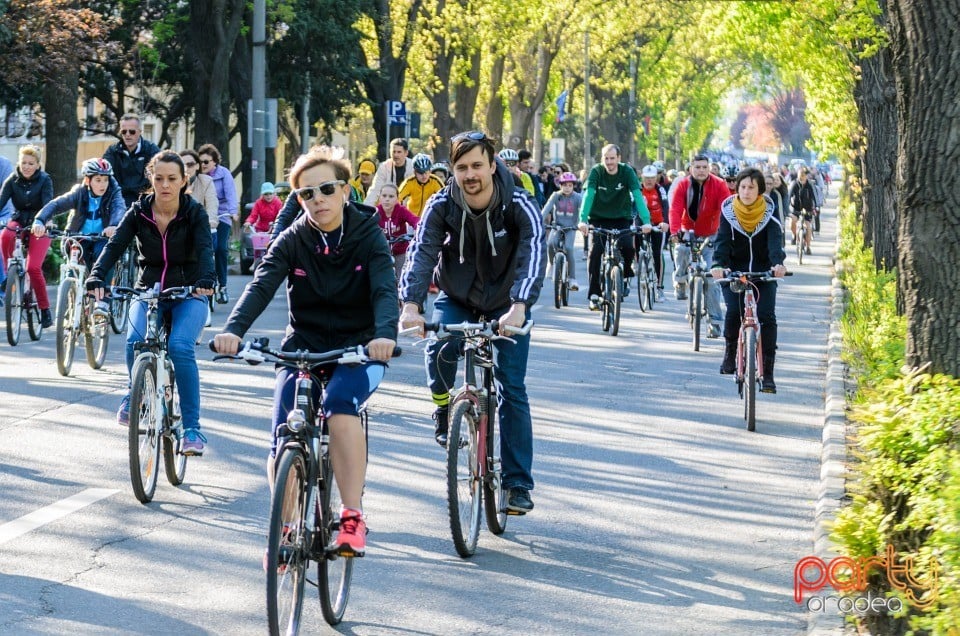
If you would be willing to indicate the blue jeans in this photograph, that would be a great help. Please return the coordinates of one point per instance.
(510, 370)
(221, 251)
(187, 318)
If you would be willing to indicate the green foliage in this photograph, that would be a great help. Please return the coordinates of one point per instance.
(905, 486)
(874, 335)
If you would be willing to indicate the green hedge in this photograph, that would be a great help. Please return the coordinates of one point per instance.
(905, 482)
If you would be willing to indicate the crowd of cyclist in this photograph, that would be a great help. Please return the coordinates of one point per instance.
(472, 231)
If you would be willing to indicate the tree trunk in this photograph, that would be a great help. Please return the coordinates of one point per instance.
(211, 37)
(60, 95)
(495, 107)
(875, 94)
(387, 85)
(928, 91)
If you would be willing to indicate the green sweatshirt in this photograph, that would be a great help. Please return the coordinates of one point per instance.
(613, 196)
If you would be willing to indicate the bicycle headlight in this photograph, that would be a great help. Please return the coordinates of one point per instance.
(295, 420)
(737, 286)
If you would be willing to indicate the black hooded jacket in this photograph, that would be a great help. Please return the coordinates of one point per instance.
(501, 266)
(343, 298)
(180, 257)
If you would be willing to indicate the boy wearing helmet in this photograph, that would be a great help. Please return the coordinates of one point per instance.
(414, 191)
(511, 158)
(96, 203)
(656, 197)
(563, 209)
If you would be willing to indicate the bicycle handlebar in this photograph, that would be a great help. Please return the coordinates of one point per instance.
(762, 277)
(486, 329)
(172, 293)
(255, 351)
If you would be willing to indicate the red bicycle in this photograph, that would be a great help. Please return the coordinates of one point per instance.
(749, 373)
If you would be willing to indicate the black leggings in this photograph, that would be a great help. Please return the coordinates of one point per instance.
(766, 296)
(657, 242)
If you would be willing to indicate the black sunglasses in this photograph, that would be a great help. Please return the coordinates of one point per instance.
(128, 132)
(206, 161)
(473, 135)
(326, 189)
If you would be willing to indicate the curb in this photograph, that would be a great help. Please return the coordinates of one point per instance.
(833, 454)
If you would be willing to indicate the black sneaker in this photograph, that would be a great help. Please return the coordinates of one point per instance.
(519, 501)
(440, 428)
(46, 318)
(222, 296)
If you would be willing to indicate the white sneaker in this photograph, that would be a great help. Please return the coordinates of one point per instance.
(573, 285)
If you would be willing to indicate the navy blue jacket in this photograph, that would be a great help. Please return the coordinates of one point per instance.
(28, 195)
(111, 209)
(131, 169)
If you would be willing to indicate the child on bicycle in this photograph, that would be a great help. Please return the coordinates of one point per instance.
(395, 220)
(750, 239)
(563, 209)
(341, 292)
(97, 205)
(29, 188)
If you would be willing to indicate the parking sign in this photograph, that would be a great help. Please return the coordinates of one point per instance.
(396, 112)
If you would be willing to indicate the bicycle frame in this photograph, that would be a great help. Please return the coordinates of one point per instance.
(749, 321)
(480, 355)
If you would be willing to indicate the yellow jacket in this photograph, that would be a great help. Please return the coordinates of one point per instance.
(414, 195)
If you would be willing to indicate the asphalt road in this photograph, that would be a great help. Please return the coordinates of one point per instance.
(656, 511)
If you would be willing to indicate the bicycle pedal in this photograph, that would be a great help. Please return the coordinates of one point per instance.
(515, 513)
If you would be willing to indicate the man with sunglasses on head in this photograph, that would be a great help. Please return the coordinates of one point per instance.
(129, 158)
(487, 236)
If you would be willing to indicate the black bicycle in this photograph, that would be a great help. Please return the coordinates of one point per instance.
(611, 278)
(648, 278)
(305, 506)
(473, 438)
(561, 268)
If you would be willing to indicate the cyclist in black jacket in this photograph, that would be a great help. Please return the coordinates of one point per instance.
(341, 292)
(487, 236)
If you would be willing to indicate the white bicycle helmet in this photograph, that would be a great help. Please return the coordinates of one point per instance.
(96, 166)
(509, 154)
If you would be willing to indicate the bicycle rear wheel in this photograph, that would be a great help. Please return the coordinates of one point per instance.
(750, 379)
(13, 307)
(66, 336)
(558, 279)
(34, 325)
(697, 312)
(616, 286)
(334, 572)
(174, 462)
(800, 241)
(463, 478)
(96, 337)
(144, 429)
(287, 551)
(565, 296)
(494, 495)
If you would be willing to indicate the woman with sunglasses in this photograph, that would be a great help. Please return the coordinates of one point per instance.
(201, 187)
(227, 212)
(171, 232)
(341, 292)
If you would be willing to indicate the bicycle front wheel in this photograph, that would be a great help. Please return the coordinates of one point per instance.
(558, 280)
(96, 337)
(144, 429)
(66, 336)
(333, 571)
(287, 551)
(697, 310)
(750, 379)
(13, 307)
(616, 285)
(642, 281)
(463, 478)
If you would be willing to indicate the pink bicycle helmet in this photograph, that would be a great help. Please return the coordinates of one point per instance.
(568, 177)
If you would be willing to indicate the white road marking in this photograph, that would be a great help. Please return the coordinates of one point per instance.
(13, 529)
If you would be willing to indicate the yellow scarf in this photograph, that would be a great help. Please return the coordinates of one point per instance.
(749, 216)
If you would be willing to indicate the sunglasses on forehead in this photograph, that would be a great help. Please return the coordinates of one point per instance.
(473, 135)
(326, 189)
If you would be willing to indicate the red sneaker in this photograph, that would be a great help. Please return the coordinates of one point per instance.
(351, 541)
